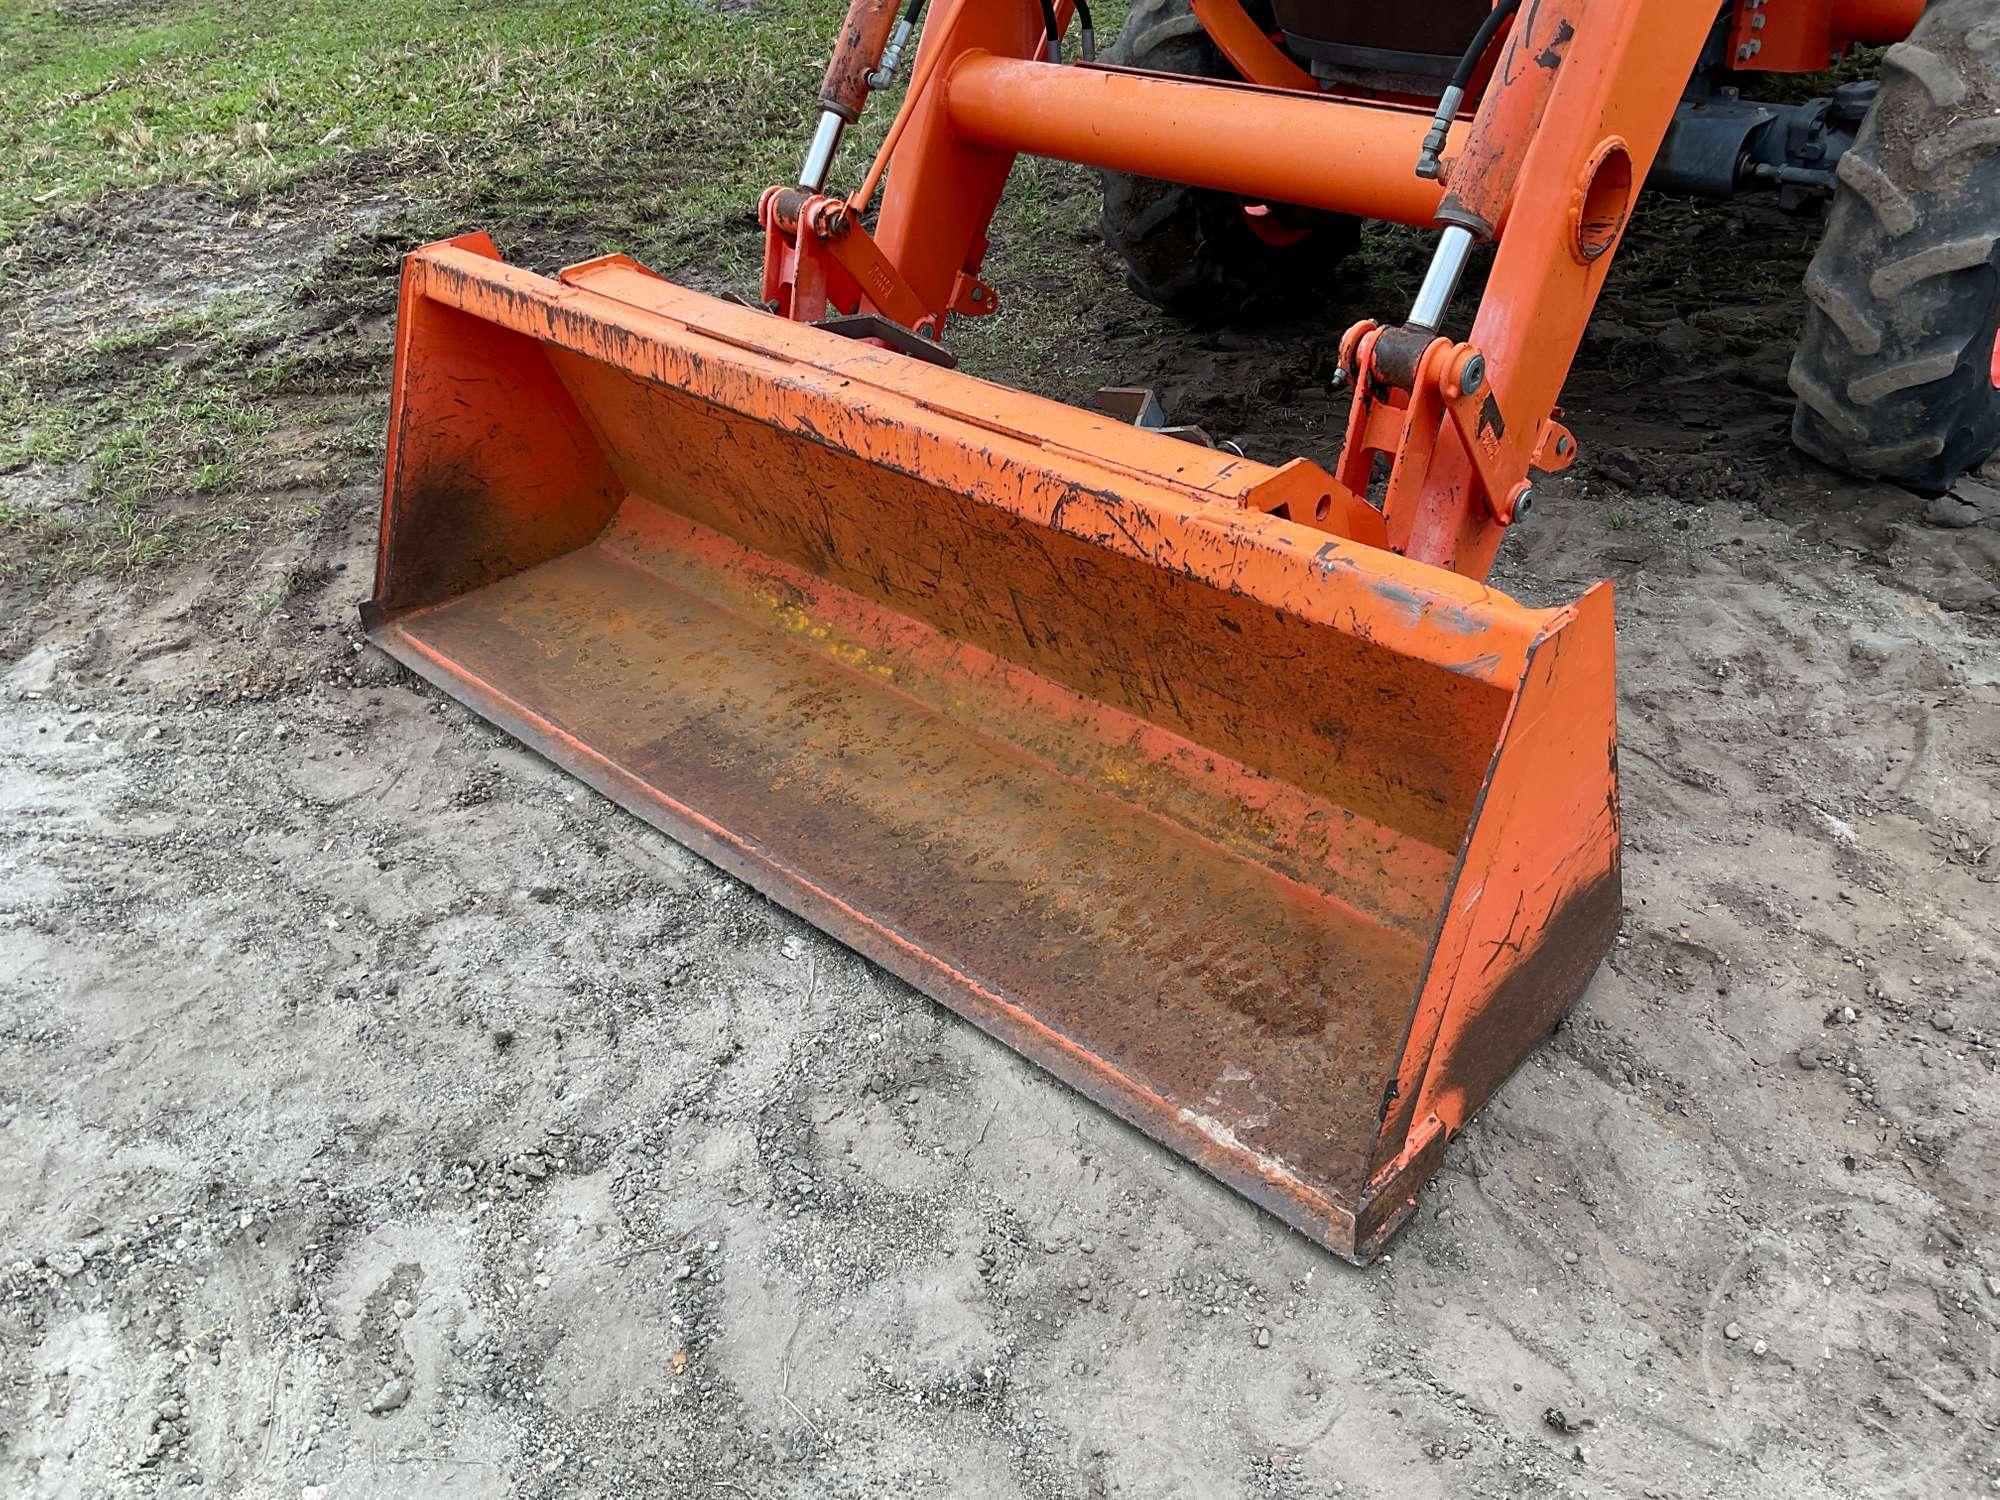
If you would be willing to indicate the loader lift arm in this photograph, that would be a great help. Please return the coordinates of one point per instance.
(1547, 171)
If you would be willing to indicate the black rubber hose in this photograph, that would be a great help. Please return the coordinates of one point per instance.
(1049, 26)
(1428, 166)
(1088, 33)
(1461, 77)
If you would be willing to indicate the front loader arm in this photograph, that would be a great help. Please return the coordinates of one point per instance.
(1580, 99)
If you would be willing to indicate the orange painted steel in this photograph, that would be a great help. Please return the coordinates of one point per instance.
(1251, 53)
(862, 37)
(1284, 848)
(1269, 144)
(1481, 174)
(1874, 23)
(1616, 87)
(936, 210)
(1804, 36)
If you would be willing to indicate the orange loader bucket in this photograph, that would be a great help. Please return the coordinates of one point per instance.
(1280, 846)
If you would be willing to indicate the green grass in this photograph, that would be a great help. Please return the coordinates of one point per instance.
(154, 449)
(174, 437)
(568, 128)
(35, 430)
(246, 97)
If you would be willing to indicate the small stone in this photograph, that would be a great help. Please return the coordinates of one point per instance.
(1808, 1060)
(403, 1308)
(1952, 512)
(1570, 1257)
(681, 1273)
(1263, 1338)
(1733, 1332)
(66, 1263)
(1760, 1347)
(392, 1395)
(1944, 1020)
(711, 1246)
(170, 1411)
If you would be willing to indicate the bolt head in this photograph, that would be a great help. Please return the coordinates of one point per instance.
(1523, 503)
(1473, 376)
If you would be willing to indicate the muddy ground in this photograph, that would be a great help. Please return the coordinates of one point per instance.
(383, 1114)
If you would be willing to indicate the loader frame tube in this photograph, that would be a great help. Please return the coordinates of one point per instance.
(1271, 145)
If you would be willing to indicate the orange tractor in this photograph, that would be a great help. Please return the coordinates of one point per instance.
(1226, 791)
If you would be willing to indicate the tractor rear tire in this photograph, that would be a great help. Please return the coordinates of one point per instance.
(1896, 372)
(1192, 251)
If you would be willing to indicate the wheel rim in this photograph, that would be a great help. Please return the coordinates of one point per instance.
(1270, 224)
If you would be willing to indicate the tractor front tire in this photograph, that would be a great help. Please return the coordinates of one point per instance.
(1896, 373)
(1196, 253)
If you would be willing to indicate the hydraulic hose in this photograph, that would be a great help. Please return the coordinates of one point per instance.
(1049, 30)
(1428, 165)
(892, 55)
(1089, 31)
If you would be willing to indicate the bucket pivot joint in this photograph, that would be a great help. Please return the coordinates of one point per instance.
(1410, 386)
(820, 261)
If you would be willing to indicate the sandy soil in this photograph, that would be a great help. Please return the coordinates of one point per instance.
(382, 1114)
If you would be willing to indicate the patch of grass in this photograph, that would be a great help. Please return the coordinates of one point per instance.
(175, 438)
(167, 444)
(33, 539)
(33, 429)
(148, 336)
(245, 97)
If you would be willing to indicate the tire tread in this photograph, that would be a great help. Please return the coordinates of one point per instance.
(1894, 367)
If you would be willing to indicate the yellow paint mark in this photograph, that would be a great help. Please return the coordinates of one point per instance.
(848, 653)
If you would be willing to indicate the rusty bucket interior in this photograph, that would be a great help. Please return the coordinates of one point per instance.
(1149, 760)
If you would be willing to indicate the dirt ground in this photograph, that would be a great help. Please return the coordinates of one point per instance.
(383, 1114)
